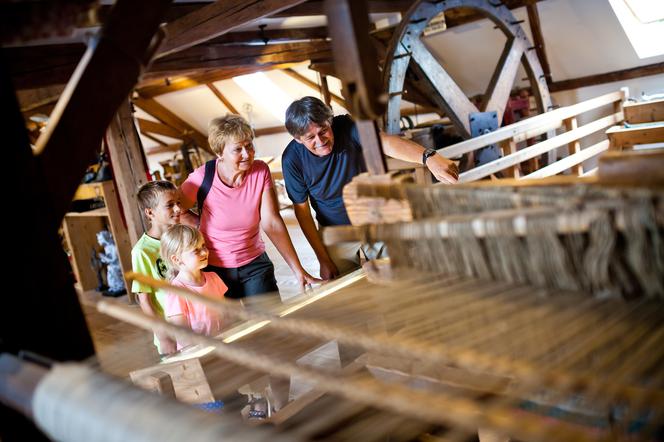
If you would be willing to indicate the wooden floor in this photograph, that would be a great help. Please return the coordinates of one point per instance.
(122, 348)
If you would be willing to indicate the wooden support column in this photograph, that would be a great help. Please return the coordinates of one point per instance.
(126, 154)
(574, 146)
(509, 147)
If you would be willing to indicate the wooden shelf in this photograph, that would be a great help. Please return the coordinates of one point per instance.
(80, 229)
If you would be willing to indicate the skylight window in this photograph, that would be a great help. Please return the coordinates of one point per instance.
(266, 93)
(643, 22)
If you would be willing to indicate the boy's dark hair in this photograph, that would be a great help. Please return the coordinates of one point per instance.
(148, 194)
(305, 111)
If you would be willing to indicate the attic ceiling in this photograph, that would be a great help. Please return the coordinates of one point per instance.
(195, 81)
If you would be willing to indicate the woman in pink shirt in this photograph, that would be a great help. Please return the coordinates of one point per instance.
(240, 202)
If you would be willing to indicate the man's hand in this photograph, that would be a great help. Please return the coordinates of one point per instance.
(328, 270)
(445, 171)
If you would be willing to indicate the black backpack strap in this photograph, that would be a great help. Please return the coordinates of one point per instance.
(206, 185)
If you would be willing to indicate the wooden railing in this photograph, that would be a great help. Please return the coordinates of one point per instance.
(507, 137)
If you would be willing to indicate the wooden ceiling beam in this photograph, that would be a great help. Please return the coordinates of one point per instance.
(304, 80)
(608, 77)
(167, 117)
(215, 56)
(315, 7)
(222, 98)
(153, 88)
(216, 19)
(165, 148)
(147, 126)
(269, 131)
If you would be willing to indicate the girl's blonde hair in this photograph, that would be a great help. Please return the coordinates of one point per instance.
(231, 128)
(178, 239)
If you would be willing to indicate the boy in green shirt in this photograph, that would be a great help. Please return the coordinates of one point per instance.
(160, 202)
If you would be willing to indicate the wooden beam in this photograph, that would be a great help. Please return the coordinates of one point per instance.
(126, 154)
(165, 148)
(269, 131)
(167, 117)
(216, 19)
(222, 98)
(34, 98)
(315, 7)
(645, 112)
(153, 127)
(325, 90)
(608, 77)
(273, 36)
(538, 39)
(500, 86)
(216, 56)
(153, 88)
(153, 138)
(304, 80)
(102, 81)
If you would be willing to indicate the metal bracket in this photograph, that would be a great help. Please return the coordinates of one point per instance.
(482, 123)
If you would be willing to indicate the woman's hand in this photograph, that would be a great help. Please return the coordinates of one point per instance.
(304, 279)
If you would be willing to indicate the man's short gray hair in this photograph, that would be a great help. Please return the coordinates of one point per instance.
(301, 113)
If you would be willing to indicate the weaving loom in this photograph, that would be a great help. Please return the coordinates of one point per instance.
(531, 312)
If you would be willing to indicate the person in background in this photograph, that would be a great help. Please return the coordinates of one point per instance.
(325, 155)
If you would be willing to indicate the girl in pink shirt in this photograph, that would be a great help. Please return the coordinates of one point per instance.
(240, 203)
(184, 251)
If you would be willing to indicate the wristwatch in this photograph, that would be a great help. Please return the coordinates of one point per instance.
(426, 154)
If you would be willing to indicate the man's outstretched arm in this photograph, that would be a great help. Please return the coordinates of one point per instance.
(328, 269)
(445, 171)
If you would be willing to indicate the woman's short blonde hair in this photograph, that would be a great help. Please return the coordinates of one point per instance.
(231, 128)
(179, 238)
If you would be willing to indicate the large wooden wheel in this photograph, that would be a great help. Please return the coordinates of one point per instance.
(407, 51)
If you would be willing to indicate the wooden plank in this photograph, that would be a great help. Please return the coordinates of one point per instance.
(538, 149)
(217, 56)
(188, 379)
(626, 138)
(573, 147)
(500, 86)
(642, 167)
(457, 105)
(81, 236)
(153, 138)
(565, 163)
(31, 99)
(608, 77)
(216, 19)
(304, 80)
(325, 90)
(222, 98)
(166, 148)
(167, 117)
(645, 112)
(126, 152)
(548, 119)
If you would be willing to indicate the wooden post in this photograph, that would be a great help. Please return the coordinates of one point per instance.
(128, 169)
(509, 147)
(574, 146)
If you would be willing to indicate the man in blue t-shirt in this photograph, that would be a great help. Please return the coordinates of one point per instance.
(324, 156)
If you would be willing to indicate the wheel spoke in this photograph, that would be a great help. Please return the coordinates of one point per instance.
(501, 83)
(457, 105)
